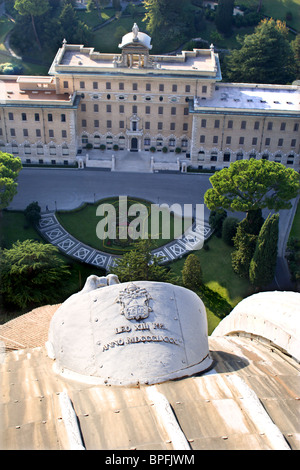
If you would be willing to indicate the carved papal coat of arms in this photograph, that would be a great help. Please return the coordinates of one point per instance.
(134, 302)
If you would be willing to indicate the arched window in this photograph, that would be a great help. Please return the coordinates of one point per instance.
(52, 149)
(27, 149)
(65, 149)
(40, 149)
(172, 142)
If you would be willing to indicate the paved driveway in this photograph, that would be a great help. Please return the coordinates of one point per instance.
(68, 189)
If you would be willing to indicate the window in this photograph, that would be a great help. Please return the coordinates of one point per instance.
(147, 109)
(25, 132)
(239, 156)
(230, 124)
(203, 122)
(83, 122)
(11, 116)
(148, 86)
(161, 87)
(135, 86)
(172, 142)
(202, 139)
(173, 110)
(282, 126)
(96, 122)
(65, 149)
(108, 124)
(36, 117)
(186, 111)
(296, 127)
(147, 125)
(51, 133)
(159, 126)
(83, 107)
(256, 125)
(96, 108)
(63, 118)
(40, 149)
(185, 126)
(184, 143)
(217, 123)
(121, 124)
(53, 162)
(267, 141)
(66, 84)
(52, 150)
(50, 118)
(84, 139)
(174, 88)
(270, 126)
(254, 141)
(213, 157)
(108, 108)
(27, 149)
(187, 88)
(226, 157)
(12, 132)
(134, 109)
(160, 110)
(95, 85)
(280, 142)
(228, 140)
(204, 89)
(242, 140)
(82, 85)
(172, 126)
(215, 139)
(293, 143)
(108, 85)
(38, 132)
(24, 117)
(121, 86)
(147, 141)
(243, 125)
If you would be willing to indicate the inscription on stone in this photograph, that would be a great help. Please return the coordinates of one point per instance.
(147, 338)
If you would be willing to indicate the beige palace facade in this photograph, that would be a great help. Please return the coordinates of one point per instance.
(169, 105)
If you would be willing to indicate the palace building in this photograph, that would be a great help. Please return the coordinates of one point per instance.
(134, 101)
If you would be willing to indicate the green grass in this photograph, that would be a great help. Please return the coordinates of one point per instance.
(295, 230)
(223, 289)
(82, 224)
(278, 9)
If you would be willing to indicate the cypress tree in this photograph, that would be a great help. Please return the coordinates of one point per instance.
(192, 273)
(263, 264)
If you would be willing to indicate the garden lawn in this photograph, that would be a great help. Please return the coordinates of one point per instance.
(223, 289)
(82, 224)
(295, 230)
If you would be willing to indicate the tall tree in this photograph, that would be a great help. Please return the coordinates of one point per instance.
(248, 185)
(192, 273)
(31, 273)
(224, 16)
(32, 8)
(165, 18)
(244, 244)
(263, 264)
(266, 56)
(10, 167)
(140, 265)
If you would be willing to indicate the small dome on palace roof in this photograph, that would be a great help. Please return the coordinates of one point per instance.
(136, 37)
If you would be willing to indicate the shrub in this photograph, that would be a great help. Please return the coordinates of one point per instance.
(229, 229)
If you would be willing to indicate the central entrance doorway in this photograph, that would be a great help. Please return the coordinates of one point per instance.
(134, 144)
